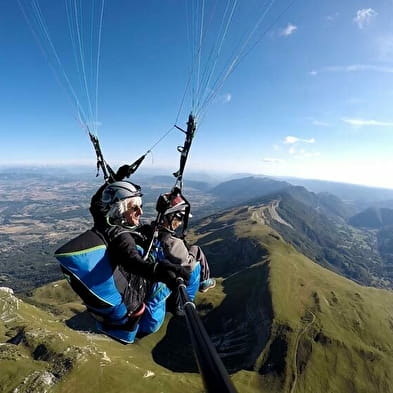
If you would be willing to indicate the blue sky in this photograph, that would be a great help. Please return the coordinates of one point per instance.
(312, 99)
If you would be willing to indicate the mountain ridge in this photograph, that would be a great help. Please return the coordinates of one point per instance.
(280, 321)
(373, 218)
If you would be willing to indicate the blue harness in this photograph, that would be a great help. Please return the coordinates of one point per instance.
(86, 266)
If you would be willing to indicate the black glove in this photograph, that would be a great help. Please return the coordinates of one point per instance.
(168, 272)
(122, 172)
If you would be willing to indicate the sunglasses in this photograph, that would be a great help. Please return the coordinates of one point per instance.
(135, 207)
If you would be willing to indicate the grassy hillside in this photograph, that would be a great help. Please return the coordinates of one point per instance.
(331, 242)
(328, 333)
(53, 357)
(280, 322)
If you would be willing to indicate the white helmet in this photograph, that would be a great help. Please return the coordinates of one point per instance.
(120, 190)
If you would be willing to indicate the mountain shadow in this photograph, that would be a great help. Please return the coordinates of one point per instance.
(82, 321)
(373, 218)
(239, 327)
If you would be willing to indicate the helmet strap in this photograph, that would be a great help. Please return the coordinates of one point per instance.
(168, 221)
(171, 222)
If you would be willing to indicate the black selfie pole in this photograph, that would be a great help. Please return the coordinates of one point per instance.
(215, 376)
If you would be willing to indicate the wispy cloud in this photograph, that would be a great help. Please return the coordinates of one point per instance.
(384, 47)
(353, 68)
(271, 160)
(319, 123)
(294, 139)
(295, 149)
(223, 98)
(226, 98)
(292, 150)
(331, 18)
(289, 30)
(365, 123)
(364, 17)
(92, 124)
(355, 101)
(297, 153)
(307, 154)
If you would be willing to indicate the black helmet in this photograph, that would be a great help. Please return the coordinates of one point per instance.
(172, 202)
(120, 190)
(176, 205)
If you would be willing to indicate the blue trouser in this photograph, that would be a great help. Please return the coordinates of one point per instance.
(154, 314)
(151, 320)
(193, 284)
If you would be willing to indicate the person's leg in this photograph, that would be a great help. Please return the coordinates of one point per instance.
(206, 282)
(193, 283)
(173, 302)
(199, 255)
(154, 314)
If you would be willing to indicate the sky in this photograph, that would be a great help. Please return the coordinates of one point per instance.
(310, 93)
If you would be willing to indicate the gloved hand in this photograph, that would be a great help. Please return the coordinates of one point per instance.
(122, 172)
(167, 273)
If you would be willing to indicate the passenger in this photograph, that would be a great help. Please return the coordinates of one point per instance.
(177, 250)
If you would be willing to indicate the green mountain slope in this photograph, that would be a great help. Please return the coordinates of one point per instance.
(52, 357)
(322, 235)
(327, 333)
(280, 322)
(373, 217)
(244, 189)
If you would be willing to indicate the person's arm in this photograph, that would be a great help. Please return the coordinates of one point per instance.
(175, 249)
(122, 251)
